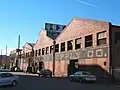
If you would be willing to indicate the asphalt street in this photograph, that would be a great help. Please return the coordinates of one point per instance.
(33, 82)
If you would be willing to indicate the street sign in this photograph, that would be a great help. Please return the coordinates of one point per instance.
(53, 30)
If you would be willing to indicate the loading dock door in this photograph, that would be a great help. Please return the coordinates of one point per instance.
(40, 65)
(72, 66)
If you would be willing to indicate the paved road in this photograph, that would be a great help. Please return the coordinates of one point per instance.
(33, 82)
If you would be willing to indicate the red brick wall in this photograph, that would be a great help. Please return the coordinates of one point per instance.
(77, 28)
(81, 28)
(43, 41)
(27, 48)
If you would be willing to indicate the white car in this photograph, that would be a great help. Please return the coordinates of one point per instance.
(82, 76)
(7, 78)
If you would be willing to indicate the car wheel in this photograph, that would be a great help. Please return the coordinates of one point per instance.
(71, 79)
(14, 83)
(47, 76)
(81, 80)
(51, 75)
(39, 75)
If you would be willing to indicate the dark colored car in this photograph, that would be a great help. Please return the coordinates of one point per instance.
(45, 73)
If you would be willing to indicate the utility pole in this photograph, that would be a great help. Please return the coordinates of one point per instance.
(6, 50)
(1, 56)
(18, 51)
(54, 57)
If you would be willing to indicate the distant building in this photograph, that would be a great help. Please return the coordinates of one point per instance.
(27, 58)
(14, 57)
(5, 61)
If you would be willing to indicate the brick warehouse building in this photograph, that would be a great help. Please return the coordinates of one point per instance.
(84, 44)
(27, 56)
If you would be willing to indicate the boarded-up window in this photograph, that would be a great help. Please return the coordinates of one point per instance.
(26, 55)
(43, 51)
(88, 41)
(47, 50)
(51, 49)
(78, 43)
(62, 46)
(36, 53)
(57, 48)
(32, 52)
(39, 52)
(101, 38)
(70, 45)
(117, 37)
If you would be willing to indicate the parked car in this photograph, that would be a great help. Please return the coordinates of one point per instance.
(82, 76)
(8, 79)
(45, 73)
(15, 69)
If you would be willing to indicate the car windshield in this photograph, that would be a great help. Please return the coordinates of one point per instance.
(86, 73)
(77, 73)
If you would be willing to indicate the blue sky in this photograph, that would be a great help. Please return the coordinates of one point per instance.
(27, 17)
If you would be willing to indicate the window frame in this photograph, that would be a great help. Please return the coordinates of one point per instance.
(47, 50)
(62, 47)
(69, 45)
(39, 53)
(57, 48)
(80, 44)
(102, 38)
(88, 41)
(51, 49)
(43, 51)
(36, 52)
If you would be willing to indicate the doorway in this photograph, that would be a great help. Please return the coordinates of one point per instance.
(41, 65)
(72, 66)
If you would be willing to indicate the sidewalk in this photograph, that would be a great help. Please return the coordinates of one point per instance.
(22, 73)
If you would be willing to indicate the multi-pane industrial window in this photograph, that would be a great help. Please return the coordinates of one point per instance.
(26, 54)
(57, 48)
(36, 53)
(101, 38)
(88, 41)
(47, 50)
(32, 52)
(39, 52)
(117, 37)
(62, 46)
(29, 54)
(51, 49)
(70, 45)
(78, 43)
(43, 51)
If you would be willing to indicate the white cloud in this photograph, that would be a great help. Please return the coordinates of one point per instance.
(86, 3)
